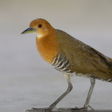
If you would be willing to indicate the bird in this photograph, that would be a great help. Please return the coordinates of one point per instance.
(70, 56)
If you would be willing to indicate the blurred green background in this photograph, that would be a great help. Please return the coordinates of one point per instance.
(25, 79)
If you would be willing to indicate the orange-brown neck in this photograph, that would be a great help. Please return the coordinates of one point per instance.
(47, 47)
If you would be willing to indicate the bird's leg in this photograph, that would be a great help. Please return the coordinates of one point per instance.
(86, 105)
(52, 106)
(64, 94)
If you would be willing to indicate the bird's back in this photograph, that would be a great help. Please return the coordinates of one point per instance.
(83, 59)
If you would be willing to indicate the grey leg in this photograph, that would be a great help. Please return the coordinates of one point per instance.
(64, 94)
(52, 106)
(86, 105)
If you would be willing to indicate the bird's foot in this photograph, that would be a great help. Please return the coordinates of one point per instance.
(41, 109)
(83, 108)
(50, 109)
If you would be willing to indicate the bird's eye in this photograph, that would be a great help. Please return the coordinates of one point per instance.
(40, 25)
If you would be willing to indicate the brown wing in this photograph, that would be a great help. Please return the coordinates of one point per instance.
(83, 58)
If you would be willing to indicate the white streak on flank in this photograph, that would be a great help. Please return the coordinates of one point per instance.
(63, 67)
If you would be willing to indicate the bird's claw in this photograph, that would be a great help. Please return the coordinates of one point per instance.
(83, 108)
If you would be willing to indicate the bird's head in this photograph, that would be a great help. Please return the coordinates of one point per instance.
(39, 27)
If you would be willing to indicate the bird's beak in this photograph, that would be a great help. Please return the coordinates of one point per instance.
(28, 30)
